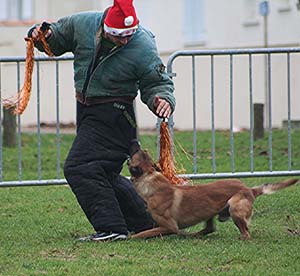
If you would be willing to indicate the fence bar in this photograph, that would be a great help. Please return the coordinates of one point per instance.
(191, 176)
(38, 106)
(251, 108)
(25, 183)
(1, 134)
(19, 128)
(289, 111)
(57, 122)
(40, 58)
(158, 122)
(240, 174)
(213, 132)
(194, 115)
(270, 114)
(231, 116)
(228, 52)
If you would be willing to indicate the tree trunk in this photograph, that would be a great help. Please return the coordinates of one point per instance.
(258, 121)
(9, 128)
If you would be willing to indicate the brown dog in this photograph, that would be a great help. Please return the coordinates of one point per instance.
(177, 207)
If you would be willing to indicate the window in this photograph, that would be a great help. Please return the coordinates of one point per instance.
(15, 10)
(284, 5)
(251, 12)
(250, 9)
(194, 29)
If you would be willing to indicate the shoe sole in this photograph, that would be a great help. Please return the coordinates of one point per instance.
(112, 237)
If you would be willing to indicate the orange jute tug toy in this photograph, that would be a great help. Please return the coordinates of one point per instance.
(20, 101)
(166, 160)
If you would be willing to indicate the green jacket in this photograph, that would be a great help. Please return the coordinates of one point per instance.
(127, 69)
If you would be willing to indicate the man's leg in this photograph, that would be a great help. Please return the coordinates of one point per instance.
(98, 152)
(96, 197)
(94, 192)
(92, 156)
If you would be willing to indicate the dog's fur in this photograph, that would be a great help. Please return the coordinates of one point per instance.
(177, 207)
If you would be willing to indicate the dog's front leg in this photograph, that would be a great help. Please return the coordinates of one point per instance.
(209, 228)
(154, 232)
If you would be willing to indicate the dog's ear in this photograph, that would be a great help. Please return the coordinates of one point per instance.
(145, 155)
(135, 146)
(148, 162)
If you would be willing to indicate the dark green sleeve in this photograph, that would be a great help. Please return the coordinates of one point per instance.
(156, 82)
(62, 38)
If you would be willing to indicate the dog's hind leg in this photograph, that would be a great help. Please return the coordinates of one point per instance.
(243, 227)
(240, 208)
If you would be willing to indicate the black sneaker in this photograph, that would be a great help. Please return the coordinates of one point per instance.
(103, 236)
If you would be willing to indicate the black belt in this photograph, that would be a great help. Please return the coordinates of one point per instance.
(103, 99)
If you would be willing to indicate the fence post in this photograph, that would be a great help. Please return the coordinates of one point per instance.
(258, 121)
(9, 128)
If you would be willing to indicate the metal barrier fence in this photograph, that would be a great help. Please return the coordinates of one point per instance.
(268, 54)
(193, 54)
(17, 61)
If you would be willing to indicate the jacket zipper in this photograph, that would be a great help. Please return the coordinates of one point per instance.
(112, 52)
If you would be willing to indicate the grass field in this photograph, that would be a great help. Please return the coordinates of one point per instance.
(39, 225)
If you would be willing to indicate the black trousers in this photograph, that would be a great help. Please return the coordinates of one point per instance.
(93, 166)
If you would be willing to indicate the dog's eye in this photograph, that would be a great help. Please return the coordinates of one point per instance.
(135, 171)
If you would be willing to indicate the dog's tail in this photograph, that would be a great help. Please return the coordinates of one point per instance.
(270, 188)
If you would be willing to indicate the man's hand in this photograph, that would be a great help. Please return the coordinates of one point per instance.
(162, 107)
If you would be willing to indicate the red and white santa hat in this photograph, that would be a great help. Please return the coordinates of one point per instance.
(121, 19)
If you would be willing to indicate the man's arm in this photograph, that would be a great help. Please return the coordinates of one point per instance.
(157, 89)
(59, 35)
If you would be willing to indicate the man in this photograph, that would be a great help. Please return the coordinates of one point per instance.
(114, 57)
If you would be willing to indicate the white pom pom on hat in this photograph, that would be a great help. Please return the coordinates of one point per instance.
(128, 21)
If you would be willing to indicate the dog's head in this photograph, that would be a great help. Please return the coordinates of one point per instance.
(141, 163)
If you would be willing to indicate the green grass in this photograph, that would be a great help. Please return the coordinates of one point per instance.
(39, 225)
